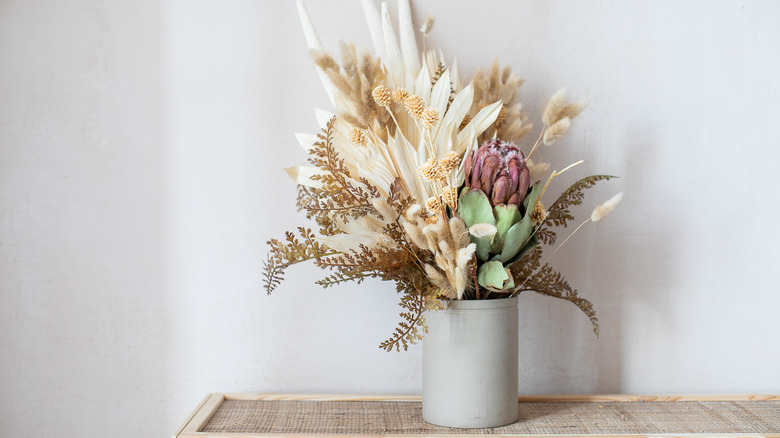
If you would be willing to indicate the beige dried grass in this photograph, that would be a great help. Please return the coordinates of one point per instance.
(604, 209)
(556, 131)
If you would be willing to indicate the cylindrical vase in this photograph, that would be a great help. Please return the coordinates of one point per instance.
(470, 364)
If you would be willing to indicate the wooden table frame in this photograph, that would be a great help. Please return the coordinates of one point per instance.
(206, 409)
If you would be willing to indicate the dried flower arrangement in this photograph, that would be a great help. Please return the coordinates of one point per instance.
(418, 179)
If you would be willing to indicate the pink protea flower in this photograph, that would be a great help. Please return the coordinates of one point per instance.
(500, 171)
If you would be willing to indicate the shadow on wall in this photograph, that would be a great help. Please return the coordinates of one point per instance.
(609, 264)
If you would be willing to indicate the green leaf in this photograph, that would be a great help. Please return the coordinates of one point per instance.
(474, 208)
(531, 198)
(494, 277)
(516, 238)
(483, 246)
(531, 244)
(506, 216)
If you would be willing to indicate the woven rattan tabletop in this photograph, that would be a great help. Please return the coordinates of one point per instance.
(287, 415)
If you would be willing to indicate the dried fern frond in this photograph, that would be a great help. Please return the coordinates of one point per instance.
(293, 250)
(339, 196)
(308, 196)
(415, 301)
(400, 262)
(558, 212)
(340, 277)
(548, 281)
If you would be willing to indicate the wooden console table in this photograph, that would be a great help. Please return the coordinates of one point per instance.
(329, 416)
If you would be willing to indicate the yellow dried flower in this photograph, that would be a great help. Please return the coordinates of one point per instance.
(399, 95)
(433, 205)
(358, 136)
(415, 105)
(450, 196)
(430, 170)
(430, 116)
(538, 214)
(432, 219)
(449, 162)
(382, 95)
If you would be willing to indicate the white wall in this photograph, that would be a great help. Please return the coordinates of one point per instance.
(140, 175)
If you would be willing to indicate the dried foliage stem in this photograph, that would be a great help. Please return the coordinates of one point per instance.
(544, 263)
(538, 141)
(557, 173)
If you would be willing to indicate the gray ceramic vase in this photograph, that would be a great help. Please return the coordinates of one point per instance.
(470, 364)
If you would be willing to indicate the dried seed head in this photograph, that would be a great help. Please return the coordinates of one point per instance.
(571, 110)
(465, 254)
(433, 205)
(413, 212)
(359, 137)
(556, 131)
(432, 219)
(537, 170)
(538, 214)
(415, 105)
(459, 232)
(449, 162)
(399, 95)
(430, 117)
(382, 95)
(430, 170)
(438, 280)
(427, 25)
(600, 212)
(385, 209)
(553, 107)
(450, 196)
(501, 115)
(483, 230)
(384, 240)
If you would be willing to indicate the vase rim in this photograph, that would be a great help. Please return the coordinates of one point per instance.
(499, 303)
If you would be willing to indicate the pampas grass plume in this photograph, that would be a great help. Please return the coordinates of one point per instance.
(427, 25)
(553, 107)
(600, 212)
(483, 230)
(556, 131)
(385, 209)
(459, 232)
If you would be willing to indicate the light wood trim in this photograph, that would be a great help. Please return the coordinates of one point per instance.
(324, 397)
(195, 412)
(202, 415)
(211, 403)
(645, 398)
(522, 398)
(452, 435)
